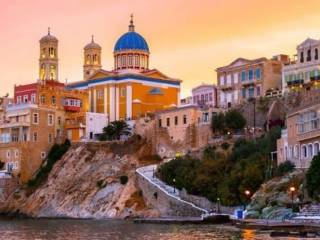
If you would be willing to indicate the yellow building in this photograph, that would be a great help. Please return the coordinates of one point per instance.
(131, 89)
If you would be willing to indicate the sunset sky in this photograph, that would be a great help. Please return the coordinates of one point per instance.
(188, 39)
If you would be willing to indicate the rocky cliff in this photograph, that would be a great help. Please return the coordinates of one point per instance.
(92, 180)
(273, 199)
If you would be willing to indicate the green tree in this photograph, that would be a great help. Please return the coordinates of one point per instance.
(234, 120)
(313, 178)
(284, 168)
(218, 123)
(115, 130)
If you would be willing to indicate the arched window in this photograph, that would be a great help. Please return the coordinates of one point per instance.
(304, 151)
(53, 100)
(52, 72)
(130, 60)
(43, 53)
(296, 151)
(309, 55)
(142, 61)
(301, 57)
(316, 54)
(123, 61)
(42, 72)
(88, 59)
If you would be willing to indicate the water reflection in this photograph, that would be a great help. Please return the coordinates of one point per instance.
(118, 230)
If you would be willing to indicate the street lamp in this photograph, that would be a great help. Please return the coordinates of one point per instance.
(247, 193)
(174, 185)
(292, 191)
(218, 201)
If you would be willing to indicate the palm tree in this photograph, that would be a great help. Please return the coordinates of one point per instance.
(115, 130)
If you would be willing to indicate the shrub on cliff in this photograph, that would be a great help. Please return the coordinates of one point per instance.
(284, 168)
(56, 152)
(313, 178)
(223, 176)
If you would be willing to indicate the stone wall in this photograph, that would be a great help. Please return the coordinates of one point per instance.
(7, 186)
(167, 205)
(205, 203)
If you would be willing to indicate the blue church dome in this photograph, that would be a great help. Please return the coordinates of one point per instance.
(131, 41)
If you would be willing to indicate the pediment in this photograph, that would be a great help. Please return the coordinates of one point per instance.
(308, 42)
(100, 74)
(239, 62)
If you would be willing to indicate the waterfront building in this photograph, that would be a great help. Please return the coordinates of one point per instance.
(299, 142)
(303, 71)
(244, 79)
(131, 89)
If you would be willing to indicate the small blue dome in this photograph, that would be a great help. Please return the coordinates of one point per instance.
(131, 41)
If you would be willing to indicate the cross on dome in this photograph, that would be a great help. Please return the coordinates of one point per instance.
(131, 26)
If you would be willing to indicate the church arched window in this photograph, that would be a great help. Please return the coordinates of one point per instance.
(43, 53)
(52, 72)
(42, 72)
(130, 60)
(136, 61)
(88, 59)
(309, 55)
(301, 57)
(316, 54)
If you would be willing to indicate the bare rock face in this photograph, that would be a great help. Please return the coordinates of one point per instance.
(92, 180)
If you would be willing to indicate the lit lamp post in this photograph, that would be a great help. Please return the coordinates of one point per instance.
(218, 201)
(247, 194)
(292, 191)
(174, 185)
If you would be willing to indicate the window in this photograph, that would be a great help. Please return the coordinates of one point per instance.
(130, 60)
(160, 123)
(243, 75)
(52, 72)
(168, 122)
(50, 138)
(184, 119)
(25, 98)
(316, 148)
(43, 99)
(301, 57)
(35, 136)
(250, 74)
(210, 96)
(53, 100)
(310, 150)
(316, 54)
(251, 92)
(136, 60)
(258, 73)
(19, 99)
(258, 91)
(243, 93)
(16, 153)
(122, 92)
(309, 55)
(50, 119)
(59, 121)
(36, 118)
(100, 94)
(33, 98)
(43, 155)
(176, 120)
(8, 154)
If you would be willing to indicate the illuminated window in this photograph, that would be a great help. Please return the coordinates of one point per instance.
(88, 59)
(42, 72)
(52, 72)
(43, 53)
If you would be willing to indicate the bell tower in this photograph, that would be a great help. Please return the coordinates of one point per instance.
(48, 61)
(92, 58)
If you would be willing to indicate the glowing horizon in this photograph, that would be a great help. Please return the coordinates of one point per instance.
(187, 40)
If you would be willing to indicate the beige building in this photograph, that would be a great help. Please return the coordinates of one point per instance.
(299, 142)
(187, 125)
(25, 138)
(303, 71)
(244, 79)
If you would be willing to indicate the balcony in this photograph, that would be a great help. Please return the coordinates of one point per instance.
(295, 82)
(227, 87)
(20, 106)
(309, 129)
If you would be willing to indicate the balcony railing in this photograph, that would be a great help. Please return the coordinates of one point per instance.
(295, 82)
(20, 106)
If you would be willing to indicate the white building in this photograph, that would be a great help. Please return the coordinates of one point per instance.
(95, 122)
(303, 72)
(205, 95)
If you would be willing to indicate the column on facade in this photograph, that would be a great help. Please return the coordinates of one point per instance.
(129, 102)
(105, 100)
(117, 103)
(90, 101)
(112, 103)
(94, 100)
